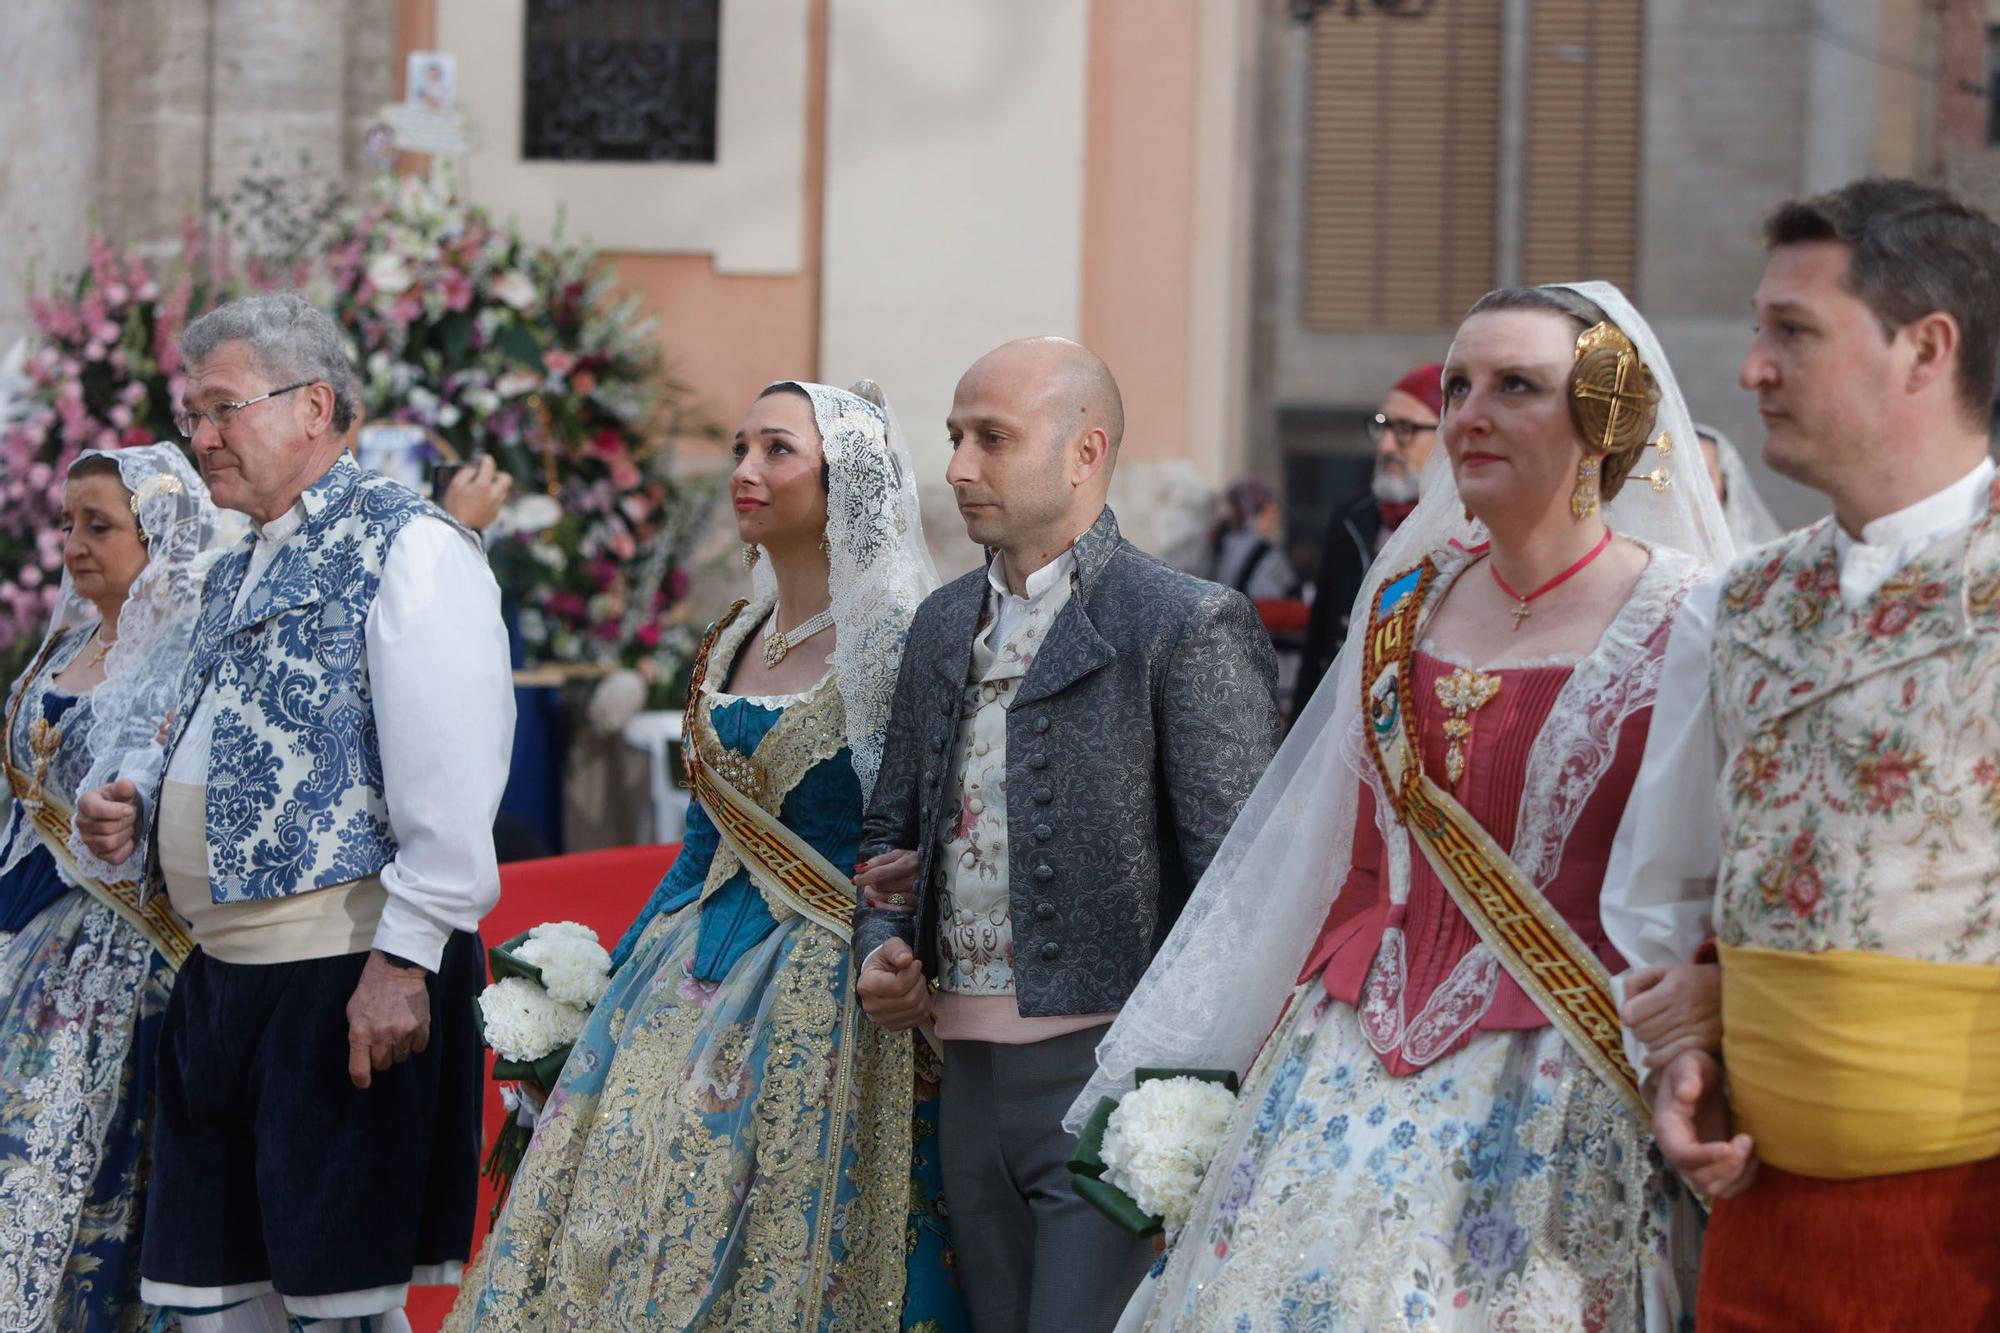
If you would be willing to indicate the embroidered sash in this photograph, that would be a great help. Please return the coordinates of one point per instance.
(1540, 950)
(782, 863)
(153, 917)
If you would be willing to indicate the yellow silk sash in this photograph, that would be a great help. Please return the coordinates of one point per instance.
(1845, 1064)
(1541, 951)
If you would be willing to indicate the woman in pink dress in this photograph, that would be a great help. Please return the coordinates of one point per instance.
(1442, 1129)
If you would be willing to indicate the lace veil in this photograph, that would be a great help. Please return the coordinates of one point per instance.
(879, 568)
(1224, 972)
(142, 672)
(1750, 520)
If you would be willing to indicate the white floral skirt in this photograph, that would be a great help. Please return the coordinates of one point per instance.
(1503, 1187)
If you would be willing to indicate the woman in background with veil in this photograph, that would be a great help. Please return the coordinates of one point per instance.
(85, 964)
(1442, 1130)
(731, 1145)
(1750, 520)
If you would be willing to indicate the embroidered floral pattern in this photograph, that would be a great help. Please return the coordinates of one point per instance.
(745, 1153)
(295, 797)
(1503, 1187)
(975, 919)
(1881, 722)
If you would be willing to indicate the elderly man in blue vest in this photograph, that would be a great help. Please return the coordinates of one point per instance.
(332, 772)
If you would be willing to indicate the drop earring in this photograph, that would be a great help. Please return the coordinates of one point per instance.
(1583, 500)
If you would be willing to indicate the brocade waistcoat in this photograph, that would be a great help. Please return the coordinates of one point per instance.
(295, 797)
(1861, 787)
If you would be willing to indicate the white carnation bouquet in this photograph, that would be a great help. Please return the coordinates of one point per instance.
(545, 983)
(1141, 1159)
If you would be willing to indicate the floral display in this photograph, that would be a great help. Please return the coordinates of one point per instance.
(1140, 1159)
(574, 966)
(545, 983)
(498, 346)
(104, 373)
(1158, 1143)
(461, 327)
(524, 1023)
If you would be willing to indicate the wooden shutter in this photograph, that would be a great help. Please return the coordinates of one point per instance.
(1402, 166)
(1581, 212)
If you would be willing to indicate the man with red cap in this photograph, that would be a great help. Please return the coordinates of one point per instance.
(1404, 430)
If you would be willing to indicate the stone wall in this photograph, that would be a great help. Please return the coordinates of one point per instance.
(129, 115)
(48, 154)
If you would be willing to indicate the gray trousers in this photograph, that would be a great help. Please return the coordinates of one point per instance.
(1032, 1256)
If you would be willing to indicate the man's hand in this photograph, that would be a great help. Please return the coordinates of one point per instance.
(892, 987)
(1674, 1009)
(108, 819)
(388, 1017)
(1691, 1124)
(475, 494)
(889, 880)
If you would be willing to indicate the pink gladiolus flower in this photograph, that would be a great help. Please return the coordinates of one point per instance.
(31, 577)
(558, 361)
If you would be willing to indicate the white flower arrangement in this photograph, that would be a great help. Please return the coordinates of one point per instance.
(1160, 1140)
(524, 1022)
(574, 966)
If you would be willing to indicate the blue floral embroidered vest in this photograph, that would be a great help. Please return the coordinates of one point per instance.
(295, 799)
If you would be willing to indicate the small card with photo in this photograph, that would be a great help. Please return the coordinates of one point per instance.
(432, 80)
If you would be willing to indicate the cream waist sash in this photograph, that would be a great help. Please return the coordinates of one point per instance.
(324, 923)
(1845, 1064)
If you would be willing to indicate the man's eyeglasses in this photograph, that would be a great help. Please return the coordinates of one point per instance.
(1402, 428)
(219, 416)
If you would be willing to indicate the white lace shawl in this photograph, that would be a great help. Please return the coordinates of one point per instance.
(879, 569)
(142, 672)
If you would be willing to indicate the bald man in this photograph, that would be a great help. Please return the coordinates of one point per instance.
(1074, 730)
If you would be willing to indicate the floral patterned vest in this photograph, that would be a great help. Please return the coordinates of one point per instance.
(1861, 750)
(295, 799)
(975, 920)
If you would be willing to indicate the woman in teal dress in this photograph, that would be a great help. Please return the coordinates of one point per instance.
(731, 1146)
(85, 966)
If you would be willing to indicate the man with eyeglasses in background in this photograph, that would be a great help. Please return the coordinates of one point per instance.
(1403, 431)
(332, 766)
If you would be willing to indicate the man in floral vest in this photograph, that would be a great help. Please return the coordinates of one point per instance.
(1821, 795)
(325, 826)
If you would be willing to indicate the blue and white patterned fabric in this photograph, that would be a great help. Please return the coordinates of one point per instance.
(295, 791)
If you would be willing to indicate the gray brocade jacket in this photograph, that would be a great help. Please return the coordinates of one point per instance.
(1148, 716)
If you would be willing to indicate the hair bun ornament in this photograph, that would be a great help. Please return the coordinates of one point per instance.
(1612, 395)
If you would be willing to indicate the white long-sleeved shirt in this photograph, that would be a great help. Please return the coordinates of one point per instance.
(1660, 885)
(443, 695)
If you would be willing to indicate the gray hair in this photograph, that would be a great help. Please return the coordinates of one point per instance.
(289, 339)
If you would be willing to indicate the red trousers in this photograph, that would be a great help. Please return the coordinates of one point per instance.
(1917, 1251)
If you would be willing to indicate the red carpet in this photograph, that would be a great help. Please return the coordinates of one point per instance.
(604, 890)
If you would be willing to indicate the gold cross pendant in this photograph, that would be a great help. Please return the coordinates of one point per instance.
(1464, 692)
(1520, 614)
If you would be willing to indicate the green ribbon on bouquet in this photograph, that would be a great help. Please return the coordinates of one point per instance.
(1086, 1164)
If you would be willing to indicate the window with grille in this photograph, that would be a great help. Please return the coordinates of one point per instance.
(620, 80)
(1402, 165)
(1581, 178)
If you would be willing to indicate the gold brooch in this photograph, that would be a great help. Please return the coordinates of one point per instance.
(1464, 692)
